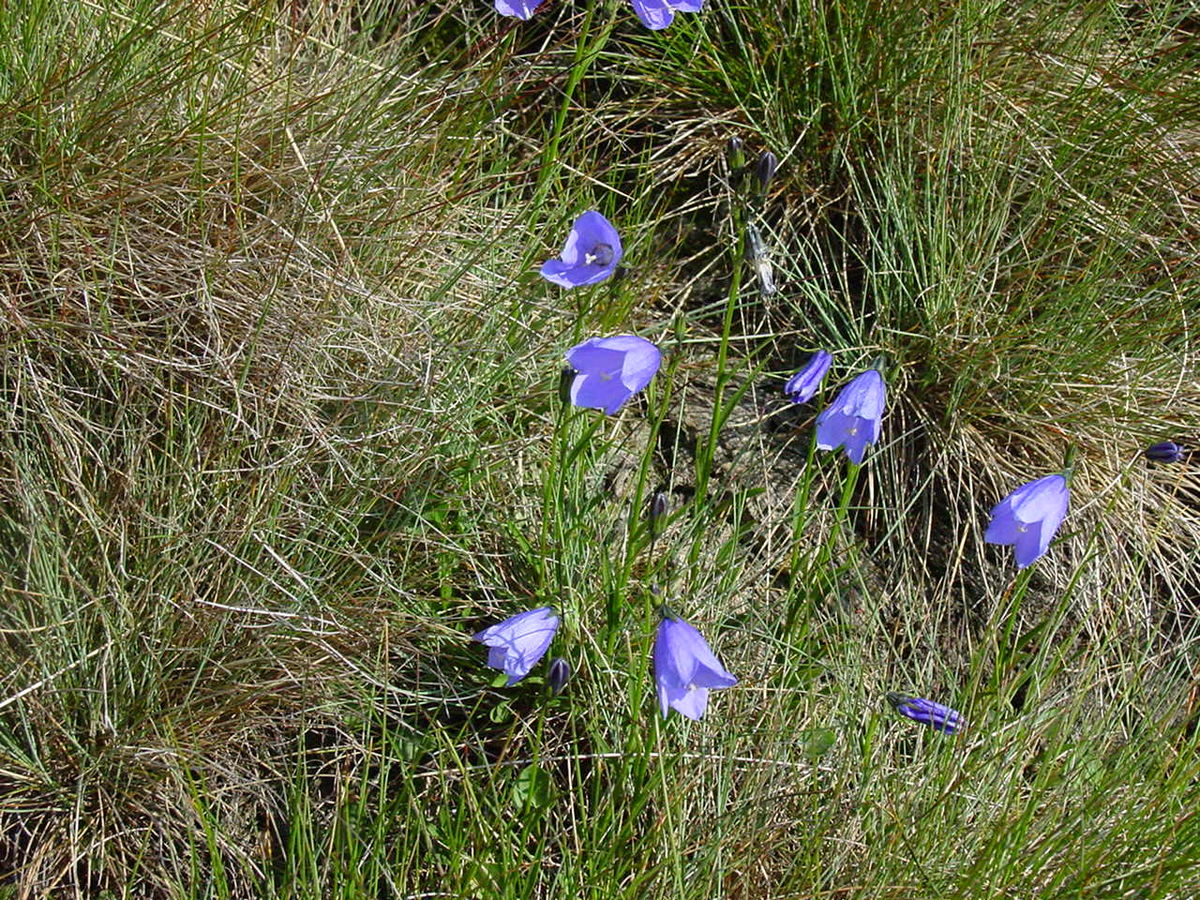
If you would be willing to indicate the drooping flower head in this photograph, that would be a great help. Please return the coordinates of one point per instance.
(852, 419)
(685, 669)
(940, 718)
(611, 370)
(801, 386)
(590, 254)
(1029, 516)
(1166, 451)
(521, 9)
(519, 642)
(658, 14)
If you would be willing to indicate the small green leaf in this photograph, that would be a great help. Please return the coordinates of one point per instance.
(533, 788)
(816, 742)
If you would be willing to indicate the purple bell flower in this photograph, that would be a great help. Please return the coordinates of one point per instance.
(852, 419)
(611, 370)
(1166, 451)
(658, 14)
(521, 9)
(590, 255)
(685, 669)
(940, 718)
(519, 642)
(801, 386)
(1029, 516)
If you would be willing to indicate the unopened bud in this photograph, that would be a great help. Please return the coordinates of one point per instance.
(768, 164)
(735, 152)
(559, 675)
(1165, 451)
(565, 379)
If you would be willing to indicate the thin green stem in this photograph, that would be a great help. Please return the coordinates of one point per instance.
(587, 50)
(704, 459)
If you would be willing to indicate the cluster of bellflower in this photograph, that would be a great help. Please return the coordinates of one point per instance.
(608, 371)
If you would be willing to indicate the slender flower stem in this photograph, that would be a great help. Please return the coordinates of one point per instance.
(658, 400)
(555, 483)
(586, 53)
(1017, 599)
(719, 414)
(1069, 464)
(800, 520)
(844, 503)
(559, 490)
(551, 488)
(991, 655)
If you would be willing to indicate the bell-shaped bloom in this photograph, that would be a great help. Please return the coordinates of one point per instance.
(519, 642)
(852, 419)
(608, 371)
(939, 717)
(1166, 451)
(522, 9)
(658, 14)
(685, 669)
(1029, 516)
(590, 255)
(801, 386)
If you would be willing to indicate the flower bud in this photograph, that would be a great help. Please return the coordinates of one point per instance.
(565, 379)
(801, 387)
(765, 170)
(735, 152)
(1165, 451)
(559, 675)
(659, 504)
(935, 715)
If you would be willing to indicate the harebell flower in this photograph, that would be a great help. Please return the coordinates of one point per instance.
(852, 419)
(608, 371)
(519, 642)
(1029, 516)
(658, 14)
(590, 254)
(685, 669)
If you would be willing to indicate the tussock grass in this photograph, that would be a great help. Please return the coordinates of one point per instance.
(282, 428)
